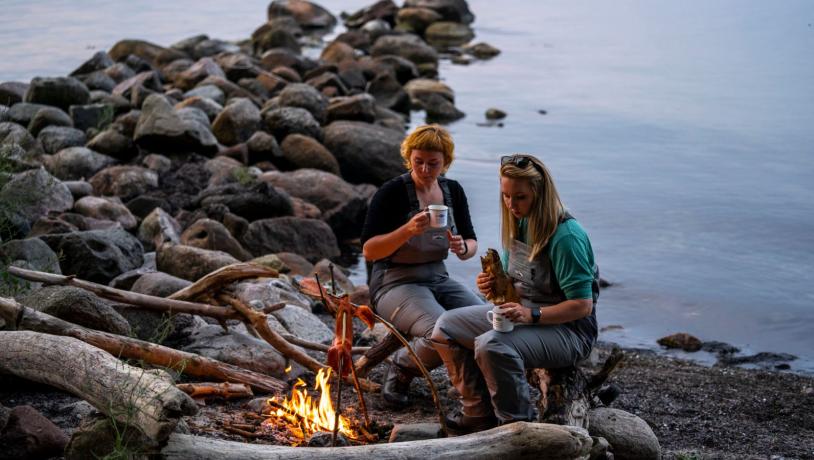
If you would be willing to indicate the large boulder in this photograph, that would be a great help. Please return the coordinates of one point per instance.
(99, 61)
(342, 206)
(79, 307)
(366, 153)
(303, 324)
(211, 92)
(76, 163)
(106, 208)
(22, 112)
(151, 228)
(416, 19)
(270, 291)
(408, 46)
(450, 10)
(311, 238)
(305, 152)
(62, 92)
(389, 93)
(205, 104)
(630, 436)
(125, 182)
(31, 254)
(257, 201)
(213, 235)
(190, 263)
(92, 116)
(55, 138)
(283, 121)
(34, 193)
(263, 146)
(237, 122)
(96, 255)
(307, 14)
(161, 129)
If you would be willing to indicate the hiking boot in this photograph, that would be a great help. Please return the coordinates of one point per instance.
(396, 386)
(460, 424)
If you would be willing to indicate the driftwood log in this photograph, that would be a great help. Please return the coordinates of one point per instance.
(516, 441)
(18, 316)
(220, 390)
(130, 395)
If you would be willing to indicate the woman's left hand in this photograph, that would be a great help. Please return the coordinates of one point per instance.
(456, 244)
(516, 312)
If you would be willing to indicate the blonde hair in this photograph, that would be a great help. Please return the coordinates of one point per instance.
(546, 207)
(432, 138)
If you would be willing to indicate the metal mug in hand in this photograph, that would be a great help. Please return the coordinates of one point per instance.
(438, 215)
(499, 321)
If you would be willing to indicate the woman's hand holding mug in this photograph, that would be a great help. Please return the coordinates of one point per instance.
(419, 223)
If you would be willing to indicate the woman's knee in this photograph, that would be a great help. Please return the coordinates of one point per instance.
(490, 345)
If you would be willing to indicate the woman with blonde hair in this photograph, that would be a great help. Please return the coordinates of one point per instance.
(549, 257)
(409, 284)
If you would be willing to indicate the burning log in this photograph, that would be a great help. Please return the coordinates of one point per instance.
(517, 441)
(223, 390)
(20, 317)
(132, 396)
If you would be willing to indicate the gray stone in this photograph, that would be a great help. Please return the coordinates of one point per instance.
(630, 436)
(99, 61)
(77, 163)
(360, 107)
(77, 306)
(271, 291)
(236, 348)
(414, 432)
(97, 255)
(198, 72)
(416, 19)
(190, 263)
(440, 110)
(211, 47)
(204, 104)
(150, 228)
(48, 116)
(62, 92)
(125, 182)
(160, 129)
(482, 50)
(56, 138)
(389, 93)
(31, 254)
(237, 122)
(366, 153)
(291, 120)
(13, 133)
(35, 193)
(304, 324)
(306, 97)
(79, 188)
(22, 112)
(448, 33)
(311, 238)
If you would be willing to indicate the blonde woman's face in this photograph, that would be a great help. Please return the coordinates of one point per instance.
(517, 196)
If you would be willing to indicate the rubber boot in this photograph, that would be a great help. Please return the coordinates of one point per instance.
(396, 386)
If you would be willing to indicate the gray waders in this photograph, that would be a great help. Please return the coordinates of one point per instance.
(488, 367)
(411, 288)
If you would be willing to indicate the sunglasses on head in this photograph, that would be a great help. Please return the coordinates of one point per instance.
(521, 161)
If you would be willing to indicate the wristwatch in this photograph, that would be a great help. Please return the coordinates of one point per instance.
(535, 315)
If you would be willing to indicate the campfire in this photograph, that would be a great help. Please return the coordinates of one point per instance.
(303, 415)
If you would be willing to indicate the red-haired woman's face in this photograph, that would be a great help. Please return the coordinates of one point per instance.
(517, 196)
(427, 165)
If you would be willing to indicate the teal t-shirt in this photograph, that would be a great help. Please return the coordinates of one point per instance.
(571, 256)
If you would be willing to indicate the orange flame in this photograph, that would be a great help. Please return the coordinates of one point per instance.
(304, 415)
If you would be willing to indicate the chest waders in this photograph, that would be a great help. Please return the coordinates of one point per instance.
(536, 283)
(421, 258)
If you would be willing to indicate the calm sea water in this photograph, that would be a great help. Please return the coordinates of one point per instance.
(679, 133)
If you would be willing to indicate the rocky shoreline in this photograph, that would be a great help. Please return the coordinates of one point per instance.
(149, 167)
